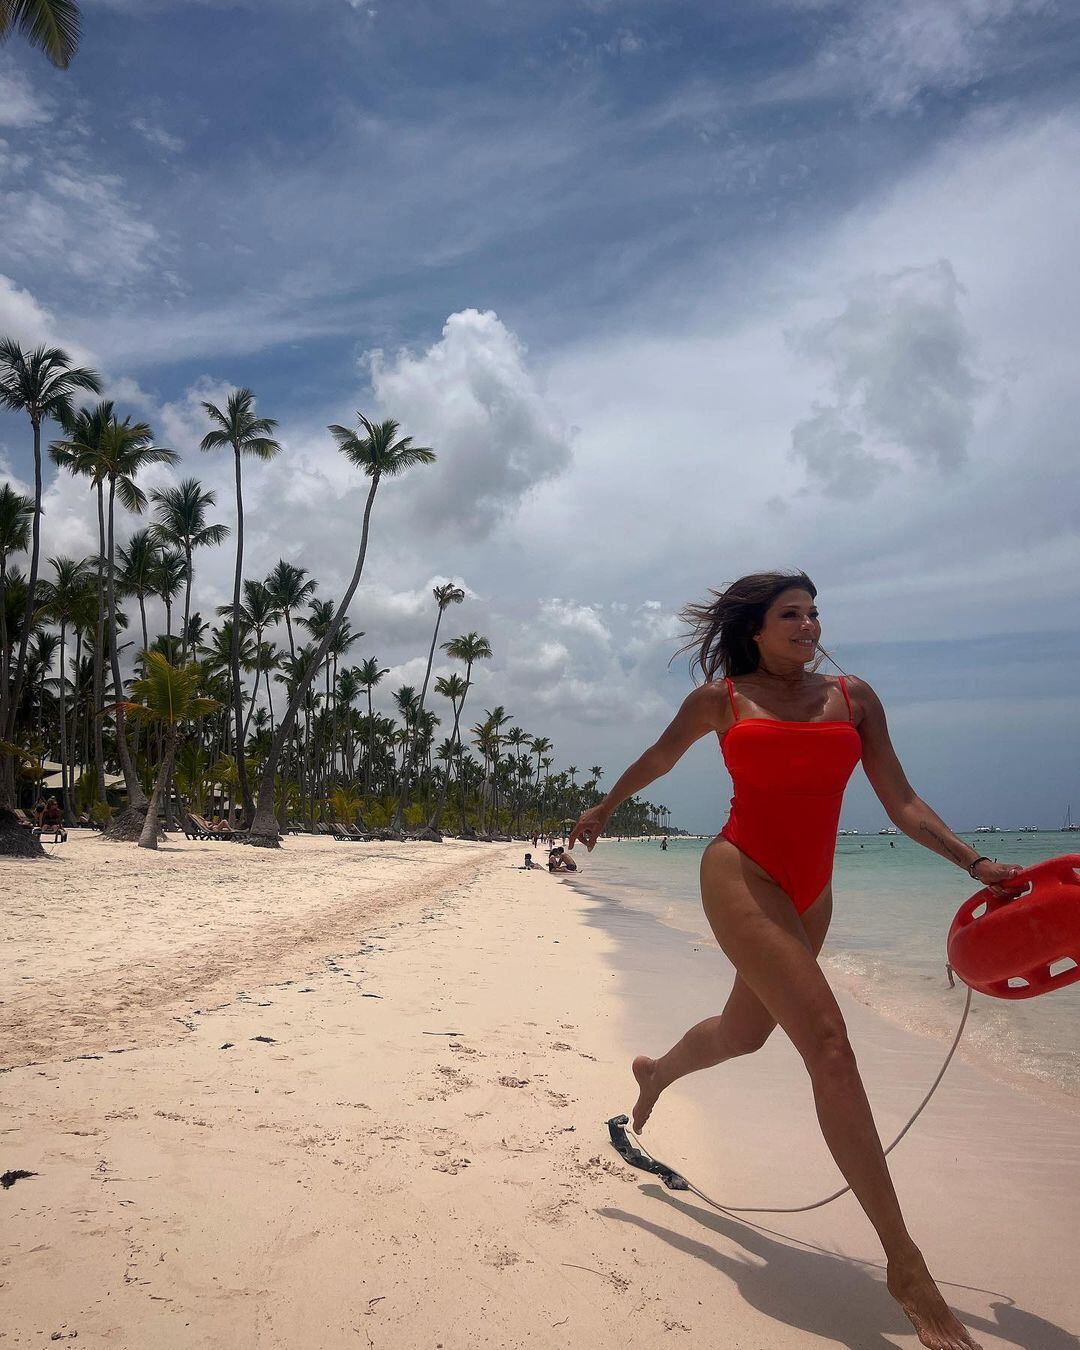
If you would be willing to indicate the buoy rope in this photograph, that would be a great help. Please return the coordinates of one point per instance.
(802, 1209)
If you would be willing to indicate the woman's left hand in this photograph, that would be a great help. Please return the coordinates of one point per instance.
(996, 876)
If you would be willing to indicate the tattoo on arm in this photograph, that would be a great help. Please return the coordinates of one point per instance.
(948, 845)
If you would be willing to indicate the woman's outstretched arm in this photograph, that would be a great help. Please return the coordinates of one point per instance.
(701, 712)
(907, 810)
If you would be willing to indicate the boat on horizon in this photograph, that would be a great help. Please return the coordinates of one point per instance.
(986, 829)
(1068, 827)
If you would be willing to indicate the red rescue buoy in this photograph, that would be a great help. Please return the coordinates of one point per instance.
(1026, 943)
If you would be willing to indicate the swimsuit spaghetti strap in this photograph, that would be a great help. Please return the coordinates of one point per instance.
(731, 696)
(843, 690)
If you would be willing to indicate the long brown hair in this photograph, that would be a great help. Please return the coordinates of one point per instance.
(721, 630)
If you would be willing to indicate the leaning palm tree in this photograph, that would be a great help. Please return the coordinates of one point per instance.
(118, 452)
(52, 26)
(181, 524)
(379, 453)
(445, 595)
(42, 384)
(166, 696)
(246, 434)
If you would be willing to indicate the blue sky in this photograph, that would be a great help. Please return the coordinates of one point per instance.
(677, 291)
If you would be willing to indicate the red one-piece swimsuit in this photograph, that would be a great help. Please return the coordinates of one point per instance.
(789, 780)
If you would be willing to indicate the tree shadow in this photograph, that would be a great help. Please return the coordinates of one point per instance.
(828, 1295)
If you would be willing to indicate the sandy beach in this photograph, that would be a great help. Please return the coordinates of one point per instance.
(354, 1094)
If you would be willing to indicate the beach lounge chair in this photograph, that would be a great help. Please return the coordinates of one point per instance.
(356, 833)
(23, 819)
(58, 832)
(340, 831)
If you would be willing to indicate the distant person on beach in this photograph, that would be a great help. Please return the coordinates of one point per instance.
(791, 738)
(52, 820)
(39, 811)
(529, 866)
(220, 826)
(560, 861)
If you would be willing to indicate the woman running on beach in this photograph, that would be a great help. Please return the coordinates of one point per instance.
(791, 739)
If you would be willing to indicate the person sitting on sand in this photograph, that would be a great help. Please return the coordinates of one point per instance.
(791, 739)
(52, 822)
(560, 861)
(529, 866)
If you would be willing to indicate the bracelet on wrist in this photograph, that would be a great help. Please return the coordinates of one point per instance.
(972, 866)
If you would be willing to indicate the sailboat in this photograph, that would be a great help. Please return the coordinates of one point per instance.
(1068, 827)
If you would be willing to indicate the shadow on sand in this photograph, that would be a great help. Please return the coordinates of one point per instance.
(842, 1300)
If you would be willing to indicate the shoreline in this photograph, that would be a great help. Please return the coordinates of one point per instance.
(904, 998)
(395, 1137)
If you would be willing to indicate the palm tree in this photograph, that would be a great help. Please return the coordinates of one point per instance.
(369, 674)
(470, 648)
(166, 696)
(139, 565)
(445, 595)
(247, 434)
(41, 384)
(118, 452)
(64, 603)
(52, 26)
(181, 524)
(16, 517)
(289, 591)
(86, 429)
(379, 454)
(170, 575)
(541, 746)
(454, 688)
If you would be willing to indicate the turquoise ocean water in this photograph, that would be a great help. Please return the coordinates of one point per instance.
(892, 910)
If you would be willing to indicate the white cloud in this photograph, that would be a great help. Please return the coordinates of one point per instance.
(892, 54)
(157, 136)
(564, 615)
(20, 105)
(472, 398)
(22, 317)
(182, 423)
(900, 370)
(81, 217)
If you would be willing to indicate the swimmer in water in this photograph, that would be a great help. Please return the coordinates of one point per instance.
(791, 739)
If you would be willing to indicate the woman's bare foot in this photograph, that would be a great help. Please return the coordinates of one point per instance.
(650, 1087)
(912, 1285)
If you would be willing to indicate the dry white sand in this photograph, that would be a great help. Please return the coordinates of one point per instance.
(414, 1155)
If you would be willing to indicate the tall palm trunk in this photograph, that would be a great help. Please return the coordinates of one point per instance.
(410, 751)
(370, 745)
(136, 797)
(65, 783)
(264, 827)
(99, 652)
(234, 655)
(440, 805)
(7, 762)
(187, 601)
